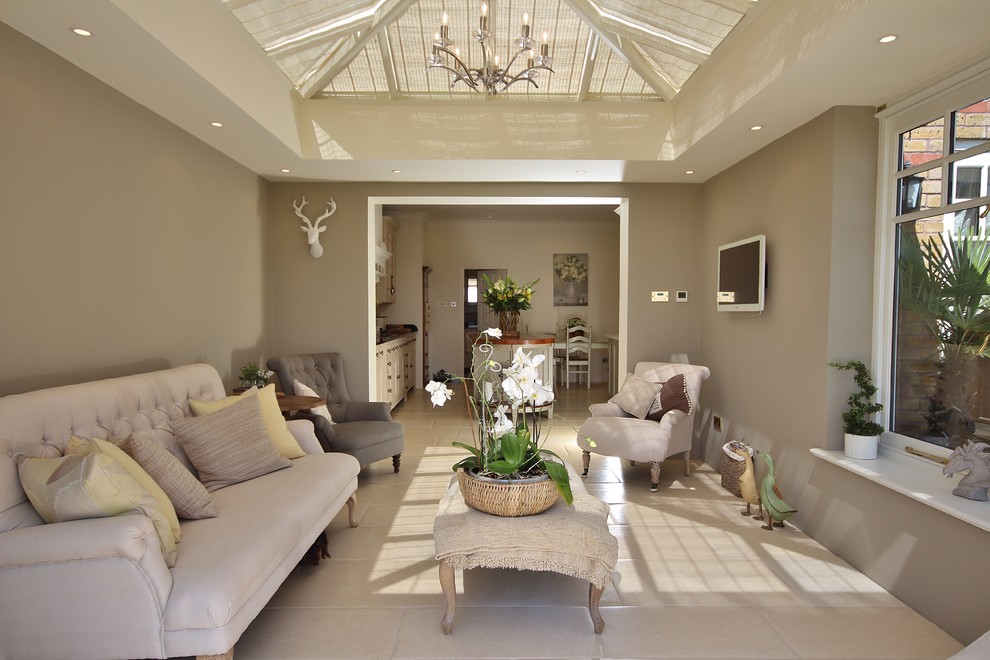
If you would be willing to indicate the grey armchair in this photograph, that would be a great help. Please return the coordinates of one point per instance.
(363, 429)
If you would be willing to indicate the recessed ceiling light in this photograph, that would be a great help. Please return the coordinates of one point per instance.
(756, 128)
(82, 32)
(689, 171)
(396, 171)
(580, 172)
(285, 170)
(887, 39)
(216, 124)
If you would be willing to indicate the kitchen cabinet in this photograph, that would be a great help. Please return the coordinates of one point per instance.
(395, 368)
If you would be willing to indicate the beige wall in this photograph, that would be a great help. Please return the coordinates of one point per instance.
(324, 304)
(813, 194)
(525, 247)
(127, 245)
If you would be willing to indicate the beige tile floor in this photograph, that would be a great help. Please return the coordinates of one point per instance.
(698, 580)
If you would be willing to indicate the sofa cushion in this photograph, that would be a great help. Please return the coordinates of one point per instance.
(636, 395)
(229, 446)
(270, 413)
(189, 497)
(76, 486)
(673, 395)
(356, 436)
(82, 447)
(302, 389)
(225, 560)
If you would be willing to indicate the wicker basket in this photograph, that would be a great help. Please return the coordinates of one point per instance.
(732, 465)
(506, 498)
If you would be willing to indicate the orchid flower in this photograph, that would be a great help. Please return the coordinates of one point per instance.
(439, 393)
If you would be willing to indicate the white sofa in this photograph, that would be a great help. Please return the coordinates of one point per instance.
(100, 588)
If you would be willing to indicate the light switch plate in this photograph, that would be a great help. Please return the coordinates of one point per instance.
(660, 296)
(681, 296)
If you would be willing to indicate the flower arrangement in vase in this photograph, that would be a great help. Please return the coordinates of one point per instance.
(254, 376)
(507, 297)
(503, 451)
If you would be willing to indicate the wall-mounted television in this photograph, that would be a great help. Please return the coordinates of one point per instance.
(742, 271)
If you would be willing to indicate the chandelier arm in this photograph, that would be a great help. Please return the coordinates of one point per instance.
(456, 59)
(458, 75)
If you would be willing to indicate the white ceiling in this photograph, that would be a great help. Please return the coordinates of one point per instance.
(786, 62)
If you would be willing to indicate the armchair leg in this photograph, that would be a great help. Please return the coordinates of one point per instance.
(395, 462)
(586, 461)
(654, 476)
(687, 463)
(351, 510)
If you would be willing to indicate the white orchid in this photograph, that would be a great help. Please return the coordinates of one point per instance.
(439, 393)
(502, 424)
(493, 332)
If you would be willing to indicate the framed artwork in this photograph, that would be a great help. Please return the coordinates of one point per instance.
(570, 280)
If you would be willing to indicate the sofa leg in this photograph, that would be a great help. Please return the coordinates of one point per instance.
(586, 461)
(229, 655)
(395, 462)
(654, 476)
(351, 507)
(687, 463)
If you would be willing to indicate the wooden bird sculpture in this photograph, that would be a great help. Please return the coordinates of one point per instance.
(747, 485)
(777, 509)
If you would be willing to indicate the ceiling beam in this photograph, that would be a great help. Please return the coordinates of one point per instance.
(741, 6)
(668, 46)
(324, 37)
(639, 64)
(330, 67)
(388, 64)
(589, 66)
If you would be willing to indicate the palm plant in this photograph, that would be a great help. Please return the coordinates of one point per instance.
(946, 281)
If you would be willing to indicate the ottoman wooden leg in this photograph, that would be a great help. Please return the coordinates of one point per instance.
(594, 598)
(450, 593)
(586, 461)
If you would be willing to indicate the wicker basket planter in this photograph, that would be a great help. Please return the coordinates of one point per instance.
(508, 498)
(733, 464)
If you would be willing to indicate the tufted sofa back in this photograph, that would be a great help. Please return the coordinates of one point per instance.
(324, 372)
(40, 423)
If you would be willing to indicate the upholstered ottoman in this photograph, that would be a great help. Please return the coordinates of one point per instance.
(567, 539)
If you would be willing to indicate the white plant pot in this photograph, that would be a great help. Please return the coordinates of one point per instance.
(861, 446)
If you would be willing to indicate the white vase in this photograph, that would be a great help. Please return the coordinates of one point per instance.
(861, 446)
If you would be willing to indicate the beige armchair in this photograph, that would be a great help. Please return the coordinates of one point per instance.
(633, 424)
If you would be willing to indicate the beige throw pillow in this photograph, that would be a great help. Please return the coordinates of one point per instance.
(230, 445)
(270, 413)
(189, 497)
(636, 395)
(302, 389)
(76, 486)
(83, 447)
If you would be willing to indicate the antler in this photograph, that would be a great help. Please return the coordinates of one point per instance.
(326, 214)
(298, 208)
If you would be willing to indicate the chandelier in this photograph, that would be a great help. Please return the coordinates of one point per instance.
(491, 78)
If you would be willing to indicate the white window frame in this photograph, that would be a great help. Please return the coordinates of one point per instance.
(966, 87)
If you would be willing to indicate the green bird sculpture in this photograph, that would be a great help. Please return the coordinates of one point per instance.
(777, 509)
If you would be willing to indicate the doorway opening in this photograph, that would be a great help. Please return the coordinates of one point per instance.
(477, 315)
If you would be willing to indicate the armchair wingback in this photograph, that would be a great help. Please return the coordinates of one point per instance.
(363, 429)
(618, 433)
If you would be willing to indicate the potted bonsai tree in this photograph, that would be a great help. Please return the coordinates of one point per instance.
(862, 433)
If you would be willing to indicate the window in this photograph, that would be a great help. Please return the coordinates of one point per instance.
(939, 331)
(472, 290)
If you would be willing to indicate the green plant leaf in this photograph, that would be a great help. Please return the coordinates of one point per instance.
(560, 477)
(502, 467)
(514, 449)
(473, 450)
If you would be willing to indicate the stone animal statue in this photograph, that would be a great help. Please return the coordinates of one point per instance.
(313, 229)
(777, 509)
(973, 457)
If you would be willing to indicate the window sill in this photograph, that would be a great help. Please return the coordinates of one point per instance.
(916, 478)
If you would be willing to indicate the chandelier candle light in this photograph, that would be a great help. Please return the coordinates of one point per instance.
(490, 78)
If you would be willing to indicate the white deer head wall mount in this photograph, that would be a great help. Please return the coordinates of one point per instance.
(313, 229)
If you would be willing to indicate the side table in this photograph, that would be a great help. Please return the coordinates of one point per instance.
(570, 540)
(293, 403)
